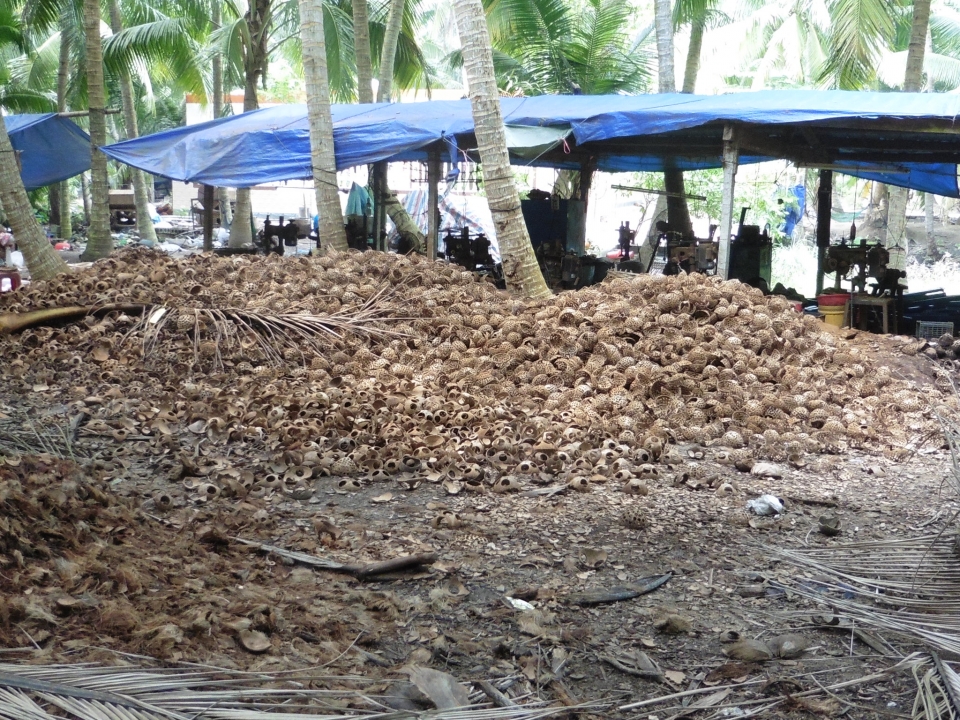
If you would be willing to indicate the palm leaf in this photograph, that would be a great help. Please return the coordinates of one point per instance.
(23, 100)
(860, 29)
(91, 692)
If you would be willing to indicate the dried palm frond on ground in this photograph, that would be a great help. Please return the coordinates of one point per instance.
(215, 331)
(90, 692)
(938, 691)
(911, 587)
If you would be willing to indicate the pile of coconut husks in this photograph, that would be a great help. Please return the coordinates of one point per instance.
(366, 365)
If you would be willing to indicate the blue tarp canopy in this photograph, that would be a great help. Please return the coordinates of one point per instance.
(908, 139)
(51, 148)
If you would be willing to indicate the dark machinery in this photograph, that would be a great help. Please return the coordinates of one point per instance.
(272, 238)
(678, 253)
(857, 262)
(472, 253)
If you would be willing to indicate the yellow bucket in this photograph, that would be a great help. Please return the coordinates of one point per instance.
(834, 314)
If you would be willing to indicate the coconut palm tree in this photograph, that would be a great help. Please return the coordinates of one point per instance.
(912, 82)
(361, 46)
(678, 215)
(556, 47)
(323, 159)
(99, 239)
(42, 260)
(144, 220)
(520, 266)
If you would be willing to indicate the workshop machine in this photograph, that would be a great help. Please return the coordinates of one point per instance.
(123, 210)
(857, 263)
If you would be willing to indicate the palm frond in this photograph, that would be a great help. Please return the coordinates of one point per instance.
(270, 333)
(91, 692)
(909, 586)
(860, 29)
(23, 100)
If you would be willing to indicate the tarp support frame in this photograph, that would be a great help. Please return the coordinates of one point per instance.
(433, 202)
(731, 158)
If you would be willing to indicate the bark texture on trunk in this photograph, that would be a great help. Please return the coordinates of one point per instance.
(677, 213)
(42, 260)
(406, 226)
(63, 81)
(99, 239)
(397, 212)
(140, 198)
(323, 159)
(929, 212)
(692, 67)
(663, 25)
(912, 82)
(216, 68)
(361, 49)
(85, 196)
(520, 266)
(258, 25)
(389, 53)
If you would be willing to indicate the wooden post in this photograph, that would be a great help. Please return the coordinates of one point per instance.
(587, 170)
(731, 157)
(824, 205)
(433, 201)
(208, 218)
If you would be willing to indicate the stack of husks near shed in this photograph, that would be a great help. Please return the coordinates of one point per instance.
(418, 362)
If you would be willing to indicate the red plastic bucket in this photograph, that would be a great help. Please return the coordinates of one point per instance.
(833, 299)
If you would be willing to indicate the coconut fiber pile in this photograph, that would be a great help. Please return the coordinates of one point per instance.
(363, 366)
(83, 565)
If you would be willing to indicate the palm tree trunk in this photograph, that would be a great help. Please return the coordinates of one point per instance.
(216, 68)
(520, 267)
(692, 67)
(42, 260)
(140, 199)
(388, 54)
(361, 50)
(677, 213)
(397, 212)
(663, 25)
(258, 26)
(99, 240)
(929, 207)
(912, 82)
(63, 79)
(322, 155)
(85, 197)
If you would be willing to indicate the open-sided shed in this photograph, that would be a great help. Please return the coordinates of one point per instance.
(905, 139)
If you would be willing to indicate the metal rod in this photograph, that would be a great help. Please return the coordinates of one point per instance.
(688, 196)
(824, 206)
(85, 113)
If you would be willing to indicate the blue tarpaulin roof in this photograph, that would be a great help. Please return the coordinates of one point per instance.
(916, 133)
(51, 148)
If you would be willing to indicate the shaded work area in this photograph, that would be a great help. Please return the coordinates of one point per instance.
(50, 148)
(903, 139)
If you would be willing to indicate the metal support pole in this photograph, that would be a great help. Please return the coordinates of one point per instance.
(433, 201)
(208, 217)
(824, 206)
(731, 158)
(380, 173)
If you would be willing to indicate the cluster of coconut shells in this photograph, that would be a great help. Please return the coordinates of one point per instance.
(594, 383)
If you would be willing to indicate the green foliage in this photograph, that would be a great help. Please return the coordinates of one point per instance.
(562, 47)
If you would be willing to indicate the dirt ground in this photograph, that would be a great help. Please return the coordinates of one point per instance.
(171, 583)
